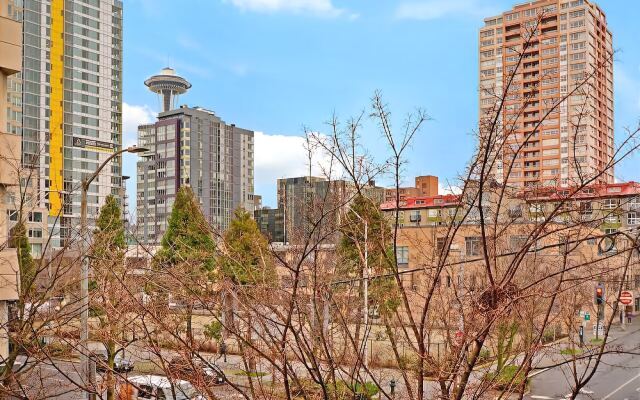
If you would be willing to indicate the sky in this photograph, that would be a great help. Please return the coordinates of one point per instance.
(279, 67)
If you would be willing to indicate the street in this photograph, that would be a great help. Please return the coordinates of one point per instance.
(617, 377)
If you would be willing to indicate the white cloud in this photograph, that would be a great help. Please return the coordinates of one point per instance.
(434, 9)
(316, 7)
(281, 156)
(132, 116)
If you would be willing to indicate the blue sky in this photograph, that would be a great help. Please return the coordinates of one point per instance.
(277, 66)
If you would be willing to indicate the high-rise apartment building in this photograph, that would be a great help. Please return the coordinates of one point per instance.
(69, 104)
(550, 47)
(10, 63)
(193, 147)
(305, 200)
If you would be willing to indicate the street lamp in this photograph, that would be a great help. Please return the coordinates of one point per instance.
(88, 364)
(365, 359)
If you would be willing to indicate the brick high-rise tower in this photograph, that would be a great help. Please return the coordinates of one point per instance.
(552, 46)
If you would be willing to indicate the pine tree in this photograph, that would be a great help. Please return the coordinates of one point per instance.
(188, 249)
(188, 238)
(26, 264)
(247, 258)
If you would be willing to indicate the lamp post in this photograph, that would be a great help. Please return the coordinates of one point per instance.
(88, 364)
(365, 358)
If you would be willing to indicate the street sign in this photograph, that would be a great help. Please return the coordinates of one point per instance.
(626, 297)
(600, 329)
(587, 316)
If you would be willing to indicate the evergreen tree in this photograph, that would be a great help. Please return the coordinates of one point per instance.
(188, 238)
(188, 249)
(247, 260)
(26, 264)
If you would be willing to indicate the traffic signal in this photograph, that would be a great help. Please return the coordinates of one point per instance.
(600, 294)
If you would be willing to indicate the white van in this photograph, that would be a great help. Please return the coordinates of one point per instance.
(155, 387)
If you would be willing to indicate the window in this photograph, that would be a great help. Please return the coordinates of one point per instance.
(517, 242)
(633, 218)
(634, 204)
(610, 204)
(586, 208)
(515, 211)
(35, 217)
(472, 245)
(612, 219)
(402, 254)
(440, 242)
(414, 216)
(35, 233)
(13, 215)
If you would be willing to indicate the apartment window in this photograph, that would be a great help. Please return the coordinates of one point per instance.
(35, 217)
(586, 208)
(633, 218)
(517, 242)
(13, 215)
(515, 211)
(472, 246)
(440, 242)
(402, 254)
(415, 216)
(35, 233)
(610, 204)
(634, 204)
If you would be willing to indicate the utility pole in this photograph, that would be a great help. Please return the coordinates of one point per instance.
(88, 363)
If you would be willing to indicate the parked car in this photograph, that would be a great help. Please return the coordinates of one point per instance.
(120, 363)
(154, 387)
(184, 369)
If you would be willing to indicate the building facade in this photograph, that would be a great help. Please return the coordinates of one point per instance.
(10, 64)
(424, 186)
(271, 223)
(590, 225)
(305, 200)
(68, 105)
(555, 126)
(193, 147)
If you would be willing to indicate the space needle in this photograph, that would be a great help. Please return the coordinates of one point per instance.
(168, 86)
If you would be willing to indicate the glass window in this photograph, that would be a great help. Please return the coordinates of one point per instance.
(403, 254)
(633, 218)
(472, 245)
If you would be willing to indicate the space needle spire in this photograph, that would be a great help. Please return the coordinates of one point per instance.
(168, 86)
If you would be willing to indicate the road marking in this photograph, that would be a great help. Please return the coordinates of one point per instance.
(623, 385)
(542, 397)
(531, 375)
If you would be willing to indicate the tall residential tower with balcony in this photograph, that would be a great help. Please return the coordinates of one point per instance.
(70, 116)
(192, 147)
(555, 127)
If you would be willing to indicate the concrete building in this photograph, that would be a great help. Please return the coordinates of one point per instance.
(569, 44)
(425, 186)
(194, 147)
(70, 105)
(301, 200)
(585, 225)
(10, 63)
(271, 223)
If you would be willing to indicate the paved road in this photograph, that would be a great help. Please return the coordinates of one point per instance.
(617, 377)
